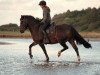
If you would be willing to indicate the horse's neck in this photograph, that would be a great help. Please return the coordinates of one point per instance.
(34, 29)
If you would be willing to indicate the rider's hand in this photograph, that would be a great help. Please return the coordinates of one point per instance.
(41, 23)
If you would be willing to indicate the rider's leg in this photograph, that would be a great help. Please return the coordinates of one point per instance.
(46, 38)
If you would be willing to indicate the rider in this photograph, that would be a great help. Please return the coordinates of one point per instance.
(46, 19)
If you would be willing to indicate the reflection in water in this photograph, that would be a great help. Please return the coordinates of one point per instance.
(14, 59)
(5, 43)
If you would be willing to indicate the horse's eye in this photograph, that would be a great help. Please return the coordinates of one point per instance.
(21, 20)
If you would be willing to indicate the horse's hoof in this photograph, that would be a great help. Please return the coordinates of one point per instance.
(47, 60)
(78, 62)
(59, 53)
(31, 56)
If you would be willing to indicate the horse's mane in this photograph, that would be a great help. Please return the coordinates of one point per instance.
(27, 16)
(30, 18)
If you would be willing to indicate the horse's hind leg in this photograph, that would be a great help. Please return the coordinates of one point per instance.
(30, 51)
(45, 52)
(76, 49)
(64, 48)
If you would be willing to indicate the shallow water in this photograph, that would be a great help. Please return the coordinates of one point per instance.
(14, 59)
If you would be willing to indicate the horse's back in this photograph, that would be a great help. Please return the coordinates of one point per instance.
(63, 27)
(59, 32)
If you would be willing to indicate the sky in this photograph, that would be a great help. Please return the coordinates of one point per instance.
(11, 10)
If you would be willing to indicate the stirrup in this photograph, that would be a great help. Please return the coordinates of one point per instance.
(46, 41)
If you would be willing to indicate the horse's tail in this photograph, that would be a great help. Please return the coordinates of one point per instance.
(80, 40)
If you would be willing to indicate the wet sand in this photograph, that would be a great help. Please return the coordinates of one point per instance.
(14, 59)
(92, 39)
(5, 43)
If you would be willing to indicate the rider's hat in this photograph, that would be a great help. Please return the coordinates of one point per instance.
(42, 2)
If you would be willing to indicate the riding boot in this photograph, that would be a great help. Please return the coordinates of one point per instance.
(46, 38)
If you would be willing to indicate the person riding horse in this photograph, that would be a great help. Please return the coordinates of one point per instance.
(46, 19)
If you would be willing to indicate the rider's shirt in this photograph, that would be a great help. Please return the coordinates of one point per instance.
(46, 14)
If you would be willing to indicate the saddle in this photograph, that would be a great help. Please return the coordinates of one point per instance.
(51, 28)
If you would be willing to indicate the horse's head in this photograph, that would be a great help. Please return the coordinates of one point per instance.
(25, 21)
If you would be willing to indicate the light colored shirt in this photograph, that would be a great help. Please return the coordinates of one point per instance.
(46, 15)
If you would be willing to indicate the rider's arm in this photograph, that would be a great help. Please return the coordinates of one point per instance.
(45, 16)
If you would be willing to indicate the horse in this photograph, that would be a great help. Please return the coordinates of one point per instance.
(57, 34)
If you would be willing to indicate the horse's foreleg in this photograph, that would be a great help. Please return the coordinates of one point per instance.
(30, 51)
(64, 48)
(76, 49)
(45, 52)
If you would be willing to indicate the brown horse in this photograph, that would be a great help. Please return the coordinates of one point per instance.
(57, 34)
